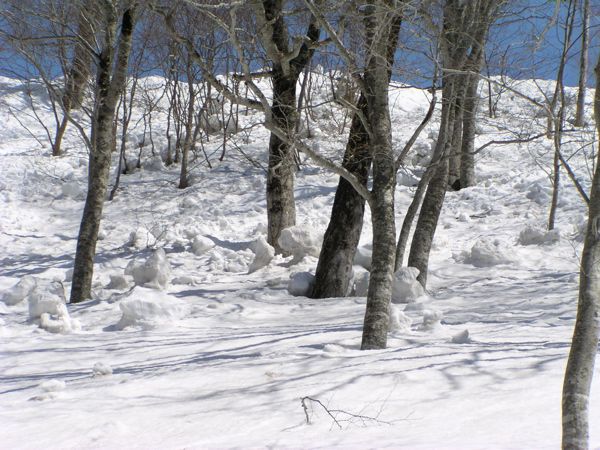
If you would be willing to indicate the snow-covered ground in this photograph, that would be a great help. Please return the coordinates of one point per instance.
(223, 355)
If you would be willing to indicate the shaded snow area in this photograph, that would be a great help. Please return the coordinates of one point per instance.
(199, 336)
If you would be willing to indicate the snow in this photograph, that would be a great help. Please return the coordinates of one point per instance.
(201, 345)
(405, 287)
(153, 272)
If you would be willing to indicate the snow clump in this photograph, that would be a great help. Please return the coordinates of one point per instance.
(201, 244)
(301, 284)
(363, 257)
(361, 281)
(101, 370)
(461, 338)
(263, 254)
(485, 253)
(431, 320)
(398, 321)
(147, 309)
(155, 272)
(300, 241)
(406, 288)
(534, 236)
(19, 291)
(47, 308)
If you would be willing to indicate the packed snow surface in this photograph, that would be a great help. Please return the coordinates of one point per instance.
(198, 336)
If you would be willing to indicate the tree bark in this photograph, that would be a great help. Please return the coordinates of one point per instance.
(108, 89)
(467, 153)
(334, 269)
(79, 73)
(580, 365)
(281, 209)
(583, 65)
(376, 78)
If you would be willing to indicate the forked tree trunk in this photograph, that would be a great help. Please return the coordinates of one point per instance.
(580, 366)
(334, 269)
(108, 89)
(281, 209)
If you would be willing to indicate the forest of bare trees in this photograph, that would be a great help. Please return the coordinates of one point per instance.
(216, 58)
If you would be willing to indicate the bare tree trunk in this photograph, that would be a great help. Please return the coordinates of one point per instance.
(436, 190)
(376, 80)
(281, 207)
(334, 270)
(467, 153)
(82, 58)
(583, 64)
(108, 90)
(456, 139)
(580, 366)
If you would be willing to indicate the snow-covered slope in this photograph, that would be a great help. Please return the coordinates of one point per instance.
(221, 357)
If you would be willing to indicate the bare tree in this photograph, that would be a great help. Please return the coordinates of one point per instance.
(111, 75)
(580, 366)
(583, 63)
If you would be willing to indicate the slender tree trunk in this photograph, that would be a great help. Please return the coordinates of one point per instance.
(334, 269)
(580, 366)
(188, 139)
(60, 133)
(583, 65)
(102, 130)
(436, 190)
(467, 153)
(456, 139)
(82, 58)
(376, 80)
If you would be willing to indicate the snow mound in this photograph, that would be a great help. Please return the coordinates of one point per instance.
(406, 288)
(201, 244)
(399, 321)
(301, 284)
(154, 164)
(431, 320)
(539, 194)
(263, 254)
(300, 241)
(486, 253)
(117, 282)
(363, 257)
(534, 236)
(47, 308)
(148, 308)
(461, 338)
(155, 272)
(19, 291)
(141, 238)
(101, 370)
(361, 281)
(72, 190)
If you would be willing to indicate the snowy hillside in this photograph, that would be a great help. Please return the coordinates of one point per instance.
(194, 339)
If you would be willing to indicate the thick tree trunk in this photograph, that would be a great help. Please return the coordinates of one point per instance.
(583, 65)
(102, 134)
(580, 366)
(334, 269)
(281, 208)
